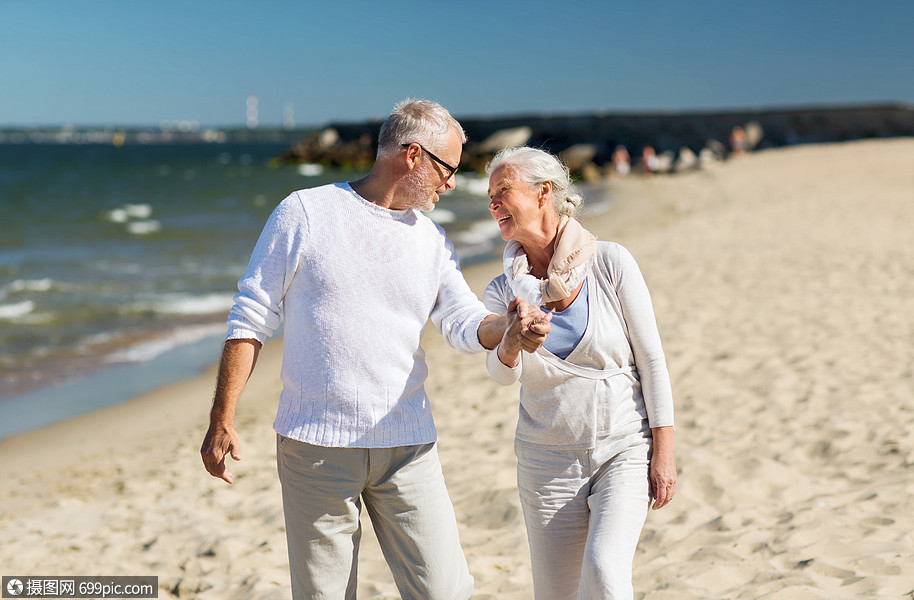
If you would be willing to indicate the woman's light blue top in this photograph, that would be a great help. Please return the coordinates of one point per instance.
(568, 326)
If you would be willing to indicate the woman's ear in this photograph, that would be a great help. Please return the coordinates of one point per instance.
(544, 192)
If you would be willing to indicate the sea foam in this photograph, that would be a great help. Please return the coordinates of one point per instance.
(30, 285)
(478, 186)
(144, 227)
(145, 351)
(187, 304)
(442, 215)
(478, 233)
(16, 310)
(126, 212)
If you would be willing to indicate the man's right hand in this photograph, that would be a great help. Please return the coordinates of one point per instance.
(220, 440)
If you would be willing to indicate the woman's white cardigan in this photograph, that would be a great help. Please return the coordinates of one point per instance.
(615, 377)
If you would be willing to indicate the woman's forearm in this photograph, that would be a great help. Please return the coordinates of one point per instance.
(663, 440)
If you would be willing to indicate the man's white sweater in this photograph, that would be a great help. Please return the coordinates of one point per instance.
(357, 284)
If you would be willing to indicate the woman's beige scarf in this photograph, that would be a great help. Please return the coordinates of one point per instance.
(573, 254)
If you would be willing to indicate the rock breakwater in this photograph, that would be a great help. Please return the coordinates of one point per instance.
(588, 142)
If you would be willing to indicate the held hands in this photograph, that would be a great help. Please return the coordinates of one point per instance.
(526, 329)
(533, 325)
(220, 440)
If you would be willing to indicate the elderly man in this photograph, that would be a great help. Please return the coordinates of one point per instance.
(358, 272)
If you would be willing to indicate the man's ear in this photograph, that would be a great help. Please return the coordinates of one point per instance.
(412, 156)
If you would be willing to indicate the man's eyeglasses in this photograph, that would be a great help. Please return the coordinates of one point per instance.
(451, 171)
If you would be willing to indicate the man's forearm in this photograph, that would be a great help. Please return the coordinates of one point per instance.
(235, 368)
(491, 330)
(238, 360)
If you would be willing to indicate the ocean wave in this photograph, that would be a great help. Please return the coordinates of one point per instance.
(135, 218)
(98, 339)
(477, 186)
(26, 285)
(29, 285)
(442, 215)
(477, 233)
(16, 310)
(144, 227)
(187, 304)
(481, 241)
(147, 350)
(127, 212)
(310, 169)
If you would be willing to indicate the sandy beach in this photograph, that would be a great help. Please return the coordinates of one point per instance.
(782, 283)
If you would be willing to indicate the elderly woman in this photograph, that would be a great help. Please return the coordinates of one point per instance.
(594, 438)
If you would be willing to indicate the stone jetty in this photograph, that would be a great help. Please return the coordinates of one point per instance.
(588, 142)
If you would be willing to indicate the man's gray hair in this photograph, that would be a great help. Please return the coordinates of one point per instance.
(534, 166)
(420, 121)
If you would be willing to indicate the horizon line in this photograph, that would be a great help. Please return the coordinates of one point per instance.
(772, 108)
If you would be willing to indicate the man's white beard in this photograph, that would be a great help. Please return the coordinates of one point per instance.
(418, 191)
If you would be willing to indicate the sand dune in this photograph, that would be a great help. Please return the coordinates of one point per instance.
(782, 283)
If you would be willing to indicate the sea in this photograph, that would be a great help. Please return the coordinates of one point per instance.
(118, 264)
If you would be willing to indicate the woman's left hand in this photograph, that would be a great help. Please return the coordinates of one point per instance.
(663, 467)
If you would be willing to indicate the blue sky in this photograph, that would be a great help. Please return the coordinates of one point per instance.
(139, 62)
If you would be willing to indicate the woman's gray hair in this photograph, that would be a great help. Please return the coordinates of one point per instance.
(535, 166)
(420, 121)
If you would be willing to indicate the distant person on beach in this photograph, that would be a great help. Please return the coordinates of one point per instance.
(622, 161)
(738, 140)
(650, 162)
(594, 438)
(358, 271)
